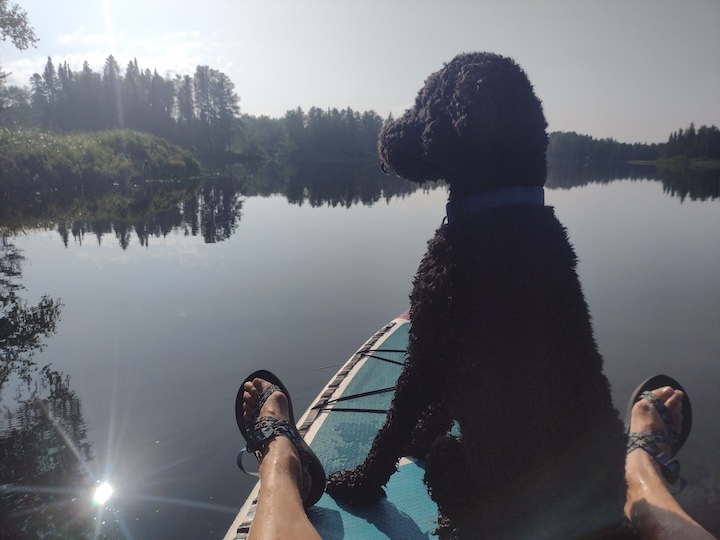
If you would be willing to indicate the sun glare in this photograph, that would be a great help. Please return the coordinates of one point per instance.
(102, 493)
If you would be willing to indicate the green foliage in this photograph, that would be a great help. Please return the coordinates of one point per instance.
(151, 157)
(35, 160)
(15, 105)
(14, 25)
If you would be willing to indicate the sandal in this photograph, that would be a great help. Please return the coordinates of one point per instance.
(266, 427)
(649, 440)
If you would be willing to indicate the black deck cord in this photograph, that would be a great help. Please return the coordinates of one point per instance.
(379, 411)
(361, 394)
(367, 354)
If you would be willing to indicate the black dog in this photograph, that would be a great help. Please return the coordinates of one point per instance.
(500, 340)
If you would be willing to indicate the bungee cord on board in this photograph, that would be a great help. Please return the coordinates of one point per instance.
(327, 405)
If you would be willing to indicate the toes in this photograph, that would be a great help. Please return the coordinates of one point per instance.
(259, 385)
(674, 402)
(674, 405)
(251, 394)
(252, 390)
(647, 415)
(254, 387)
(671, 398)
(663, 393)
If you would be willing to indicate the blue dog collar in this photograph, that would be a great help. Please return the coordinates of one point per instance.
(456, 209)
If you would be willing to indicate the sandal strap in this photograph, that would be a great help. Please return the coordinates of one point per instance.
(648, 441)
(664, 413)
(262, 398)
(267, 427)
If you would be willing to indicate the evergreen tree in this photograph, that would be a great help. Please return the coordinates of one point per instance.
(38, 99)
(112, 101)
(185, 108)
(132, 96)
(225, 108)
(203, 106)
(89, 89)
(703, 143)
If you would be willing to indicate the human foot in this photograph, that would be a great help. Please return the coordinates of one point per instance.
(650, 507)
(646, 419)
(658, 420)
(263, 411)
(274, 406)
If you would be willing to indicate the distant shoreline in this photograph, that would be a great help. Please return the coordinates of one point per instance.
(679, 163)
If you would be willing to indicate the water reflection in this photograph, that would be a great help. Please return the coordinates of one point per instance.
(212, 208)
(702, 185)
(45, 485)
(566, 175)
(22, 327)
(693, 184)
(44, 451)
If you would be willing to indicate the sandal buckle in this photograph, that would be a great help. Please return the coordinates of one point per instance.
(262, 431)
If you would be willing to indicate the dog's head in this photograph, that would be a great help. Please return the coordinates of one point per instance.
(476, 124)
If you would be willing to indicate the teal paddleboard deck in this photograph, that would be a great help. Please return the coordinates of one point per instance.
(340, 427)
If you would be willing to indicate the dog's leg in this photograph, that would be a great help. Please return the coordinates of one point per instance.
(363, 485)
(446, 476)
(436, 421)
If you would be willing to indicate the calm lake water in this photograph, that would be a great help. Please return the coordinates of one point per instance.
(156, 338)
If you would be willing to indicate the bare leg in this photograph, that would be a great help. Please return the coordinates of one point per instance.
(280, 513)
(650, 506)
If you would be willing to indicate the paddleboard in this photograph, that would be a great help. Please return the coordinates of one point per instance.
(340, 426)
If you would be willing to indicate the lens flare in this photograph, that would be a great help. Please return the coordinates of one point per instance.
(102, 493)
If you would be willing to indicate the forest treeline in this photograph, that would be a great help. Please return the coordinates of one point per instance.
(201, 112)
(314, 136)
(575, 148)
(196, 111)
(701, 145)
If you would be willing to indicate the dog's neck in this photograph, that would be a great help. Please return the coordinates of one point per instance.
(459, 208)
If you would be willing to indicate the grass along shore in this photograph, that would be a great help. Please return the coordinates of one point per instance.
(680, 163)
(33, 159)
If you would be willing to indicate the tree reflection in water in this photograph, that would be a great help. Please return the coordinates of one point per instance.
(44, 481)
(22, 327)
(212, 207)
(43, 462)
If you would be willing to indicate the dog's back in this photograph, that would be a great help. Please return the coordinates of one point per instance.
(498, 313)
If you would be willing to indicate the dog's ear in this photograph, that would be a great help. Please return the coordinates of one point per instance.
(401, 148)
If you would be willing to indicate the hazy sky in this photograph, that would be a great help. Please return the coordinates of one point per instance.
(634, 70)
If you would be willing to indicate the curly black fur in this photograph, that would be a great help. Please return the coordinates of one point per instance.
(501, 339)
